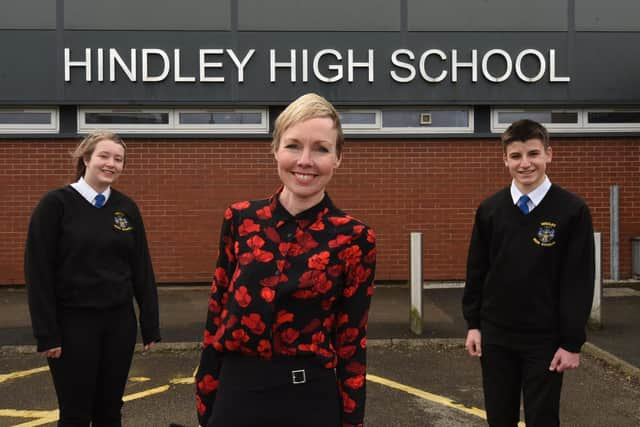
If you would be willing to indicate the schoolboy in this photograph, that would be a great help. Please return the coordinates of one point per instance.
(529, 284)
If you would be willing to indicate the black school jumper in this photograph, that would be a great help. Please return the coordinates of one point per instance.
(83, 266)
(529, 289)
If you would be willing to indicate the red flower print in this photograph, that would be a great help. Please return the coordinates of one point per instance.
(371, 236)
(242, 296)
(264, 348)
(308, 347)
(240, 205)
(351, 255)
(317, 226)
(201, 406)
(371, 256)
(326, 304)
(294, 249)
(343, 319)
(289, 335)
(246, 258)
(349, 291)
(355, 383)
(264, 213)
(304, 294)
(355, 368)
(284, 316)
(240, 335)
(339, 220)
(318, 337)
(348, 404)
(207, 338)
(347, 351)
(214, 307)
(312, 326)
(267, 294)
(341, 240)
(228, 214)
(272, 234)
(283, 264)
(283, 248)
(247, 227)
(363, 342)
(335, 270)
(221, 278)
(232, 345)
(305, 240)
(357, 229)
(262, 256)
(255, 242)
(319, 261)
(348, 335)
(254, 323)
(359, 275)
(270, 281)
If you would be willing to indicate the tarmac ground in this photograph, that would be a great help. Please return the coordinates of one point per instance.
(412, 381)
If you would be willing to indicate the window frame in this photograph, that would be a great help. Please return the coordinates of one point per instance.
(379, 128)
(173, 125)
(497, 127)
(52, 127)
(610, 127)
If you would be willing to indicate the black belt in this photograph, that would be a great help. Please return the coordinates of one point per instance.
(253, 373)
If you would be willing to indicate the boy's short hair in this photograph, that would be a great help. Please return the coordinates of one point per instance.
(523, 130)
(309, 106)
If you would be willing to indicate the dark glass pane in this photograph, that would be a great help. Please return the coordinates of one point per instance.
(540, 116)
(615, 117)
(127, 118)
(439, 118)
(235, 118)
(24, 118)
(357, 118)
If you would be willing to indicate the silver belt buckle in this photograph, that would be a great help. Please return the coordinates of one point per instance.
(298, 376)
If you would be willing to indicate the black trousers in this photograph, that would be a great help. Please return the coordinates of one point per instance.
(251, 394)
(90, 377)
(515, 367)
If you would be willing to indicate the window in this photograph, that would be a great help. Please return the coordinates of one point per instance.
(570, 120)
(419, 120)
(171, 120)
(29, 120)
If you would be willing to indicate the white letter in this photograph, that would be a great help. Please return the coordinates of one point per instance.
(274, 65)
(204, 65)
(485, 61)
(351, 65)
(305, 65)
(68, 64)
(100, 64)
(333, 67)
(404, 65)
(145, 65)
(552, 69)
(114, 57)
(423, 70)
(176, 68)
(240, 65)
(543, 65)
(455, 65)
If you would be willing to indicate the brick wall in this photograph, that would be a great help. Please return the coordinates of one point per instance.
(396, 186)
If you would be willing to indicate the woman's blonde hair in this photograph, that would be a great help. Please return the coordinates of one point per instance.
(309, 106)
(85, 149)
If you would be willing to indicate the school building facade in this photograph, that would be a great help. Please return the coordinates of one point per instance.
(424, 89)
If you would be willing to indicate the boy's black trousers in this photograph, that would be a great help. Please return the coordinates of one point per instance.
(91, 374)
(512, 365)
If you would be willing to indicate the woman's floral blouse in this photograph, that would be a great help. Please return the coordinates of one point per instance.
(291, 286)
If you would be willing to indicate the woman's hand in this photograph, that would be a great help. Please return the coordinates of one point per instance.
(52, 353)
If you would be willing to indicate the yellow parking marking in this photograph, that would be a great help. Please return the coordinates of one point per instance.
(52, 417)
(13, 413)
(185, 380)
(145, 393)
(471, 410)
(22, 374)
(139, 379)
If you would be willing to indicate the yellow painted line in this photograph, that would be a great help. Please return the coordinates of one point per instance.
(22, 374)
(471, 410)
(14, 413)
(145, 393)
(139, 379)
(52, 418)
(185, 380)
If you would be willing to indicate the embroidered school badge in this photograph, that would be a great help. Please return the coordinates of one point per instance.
(120, 221)
(546, 234)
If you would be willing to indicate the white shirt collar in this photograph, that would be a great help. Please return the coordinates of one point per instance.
(88, 192)
(535, 196)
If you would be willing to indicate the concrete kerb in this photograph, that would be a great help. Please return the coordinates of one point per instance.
(627, 369)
